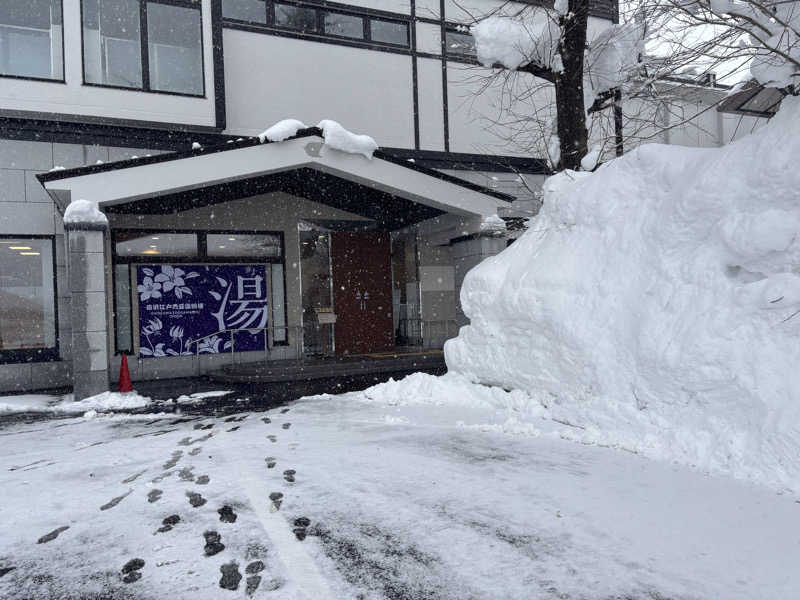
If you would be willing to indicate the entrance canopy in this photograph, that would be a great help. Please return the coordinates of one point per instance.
(392, 192)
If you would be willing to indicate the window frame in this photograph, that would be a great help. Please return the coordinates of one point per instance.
(457, 56)
(202, 258)
(63, 79)
(145, 50)
(366, 15)
(37, 355)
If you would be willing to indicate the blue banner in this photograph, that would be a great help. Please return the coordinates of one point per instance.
(181, 304)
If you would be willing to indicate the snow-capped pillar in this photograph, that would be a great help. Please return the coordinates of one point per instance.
(468, 253)
(87, 281)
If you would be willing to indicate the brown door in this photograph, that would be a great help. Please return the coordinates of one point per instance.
(362, 292)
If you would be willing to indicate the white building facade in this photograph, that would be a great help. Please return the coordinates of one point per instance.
(149, 108)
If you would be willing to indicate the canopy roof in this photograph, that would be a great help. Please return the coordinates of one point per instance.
(391, 191)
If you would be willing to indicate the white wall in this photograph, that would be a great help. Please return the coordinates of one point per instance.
(270, 78)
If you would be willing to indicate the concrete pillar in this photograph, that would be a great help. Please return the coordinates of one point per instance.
(86, 267)
(468, 253)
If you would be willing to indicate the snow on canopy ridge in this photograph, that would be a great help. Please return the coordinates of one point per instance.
(282, 130)
(339, 138)
(654, 303)
(84, 211)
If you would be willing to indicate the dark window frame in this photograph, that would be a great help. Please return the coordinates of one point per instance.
(366, 15)
(145, 50)
(202, 258)
(37, 355)
(63, 79)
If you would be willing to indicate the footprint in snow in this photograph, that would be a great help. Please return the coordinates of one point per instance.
(6, 571)
(230, 576)
(271, 460)
(286, 425)
(114, 501)
(133, 477)
(176, 456)
(203, 480)
(233, 429)
(266, 420)
(186, 474)
(226, 514)
(130, 570)
(300, 526)
(195, 499)
(272, 438)
(289, 474)
(49, 537)
(214, 543)
(169, 523)
(195, 451)
(253, 579)
(277, 499)
(203, 426)
(153, 495)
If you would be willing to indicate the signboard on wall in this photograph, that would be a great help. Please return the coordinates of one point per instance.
(181, 304)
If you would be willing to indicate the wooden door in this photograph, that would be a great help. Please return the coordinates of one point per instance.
(362, 292)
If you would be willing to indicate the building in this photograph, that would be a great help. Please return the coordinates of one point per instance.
(216, 242)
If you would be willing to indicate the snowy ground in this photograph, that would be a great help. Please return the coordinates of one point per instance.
(402, 503)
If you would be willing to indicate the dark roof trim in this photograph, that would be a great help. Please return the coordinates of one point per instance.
(246, 143)
(458, 161)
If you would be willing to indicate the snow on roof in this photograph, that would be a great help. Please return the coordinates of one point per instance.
(282, 130)
(84, 212)
(339, 138)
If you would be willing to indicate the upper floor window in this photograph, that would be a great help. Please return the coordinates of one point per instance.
(152, 45)
(31, 39)
(459, 43)
(350, 23)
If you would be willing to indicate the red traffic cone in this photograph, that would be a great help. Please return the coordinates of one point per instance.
(124, 376)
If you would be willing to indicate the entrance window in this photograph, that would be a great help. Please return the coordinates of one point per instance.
(31, 39)
(27, 300)
(149, 45)
(134, 243)
(244, 244)
(160, 248)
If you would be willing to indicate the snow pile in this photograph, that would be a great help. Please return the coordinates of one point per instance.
(493, 224)
(655, 305)
(45, 403)
(338, 138)
(282, 130)
(84, 212)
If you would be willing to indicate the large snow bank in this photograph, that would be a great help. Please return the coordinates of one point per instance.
(84, 211)
(655, 304)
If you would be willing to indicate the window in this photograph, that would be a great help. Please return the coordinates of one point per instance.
(174, 49)
(294, 17)
(27, 300)
(352, 23)
(131, 243)
(389, 32)
(254, 11)
(459, 43)
(243, 245)
(149, 247)
(147, 45)
(343, 25)
(31, 39)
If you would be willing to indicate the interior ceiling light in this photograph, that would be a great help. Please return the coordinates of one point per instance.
(20, 248)
(29, 254)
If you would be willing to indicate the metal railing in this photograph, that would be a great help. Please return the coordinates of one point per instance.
(428, 334)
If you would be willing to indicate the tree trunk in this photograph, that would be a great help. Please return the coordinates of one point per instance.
(570, 109)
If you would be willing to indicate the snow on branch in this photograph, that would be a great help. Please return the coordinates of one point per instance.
(282, 130)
